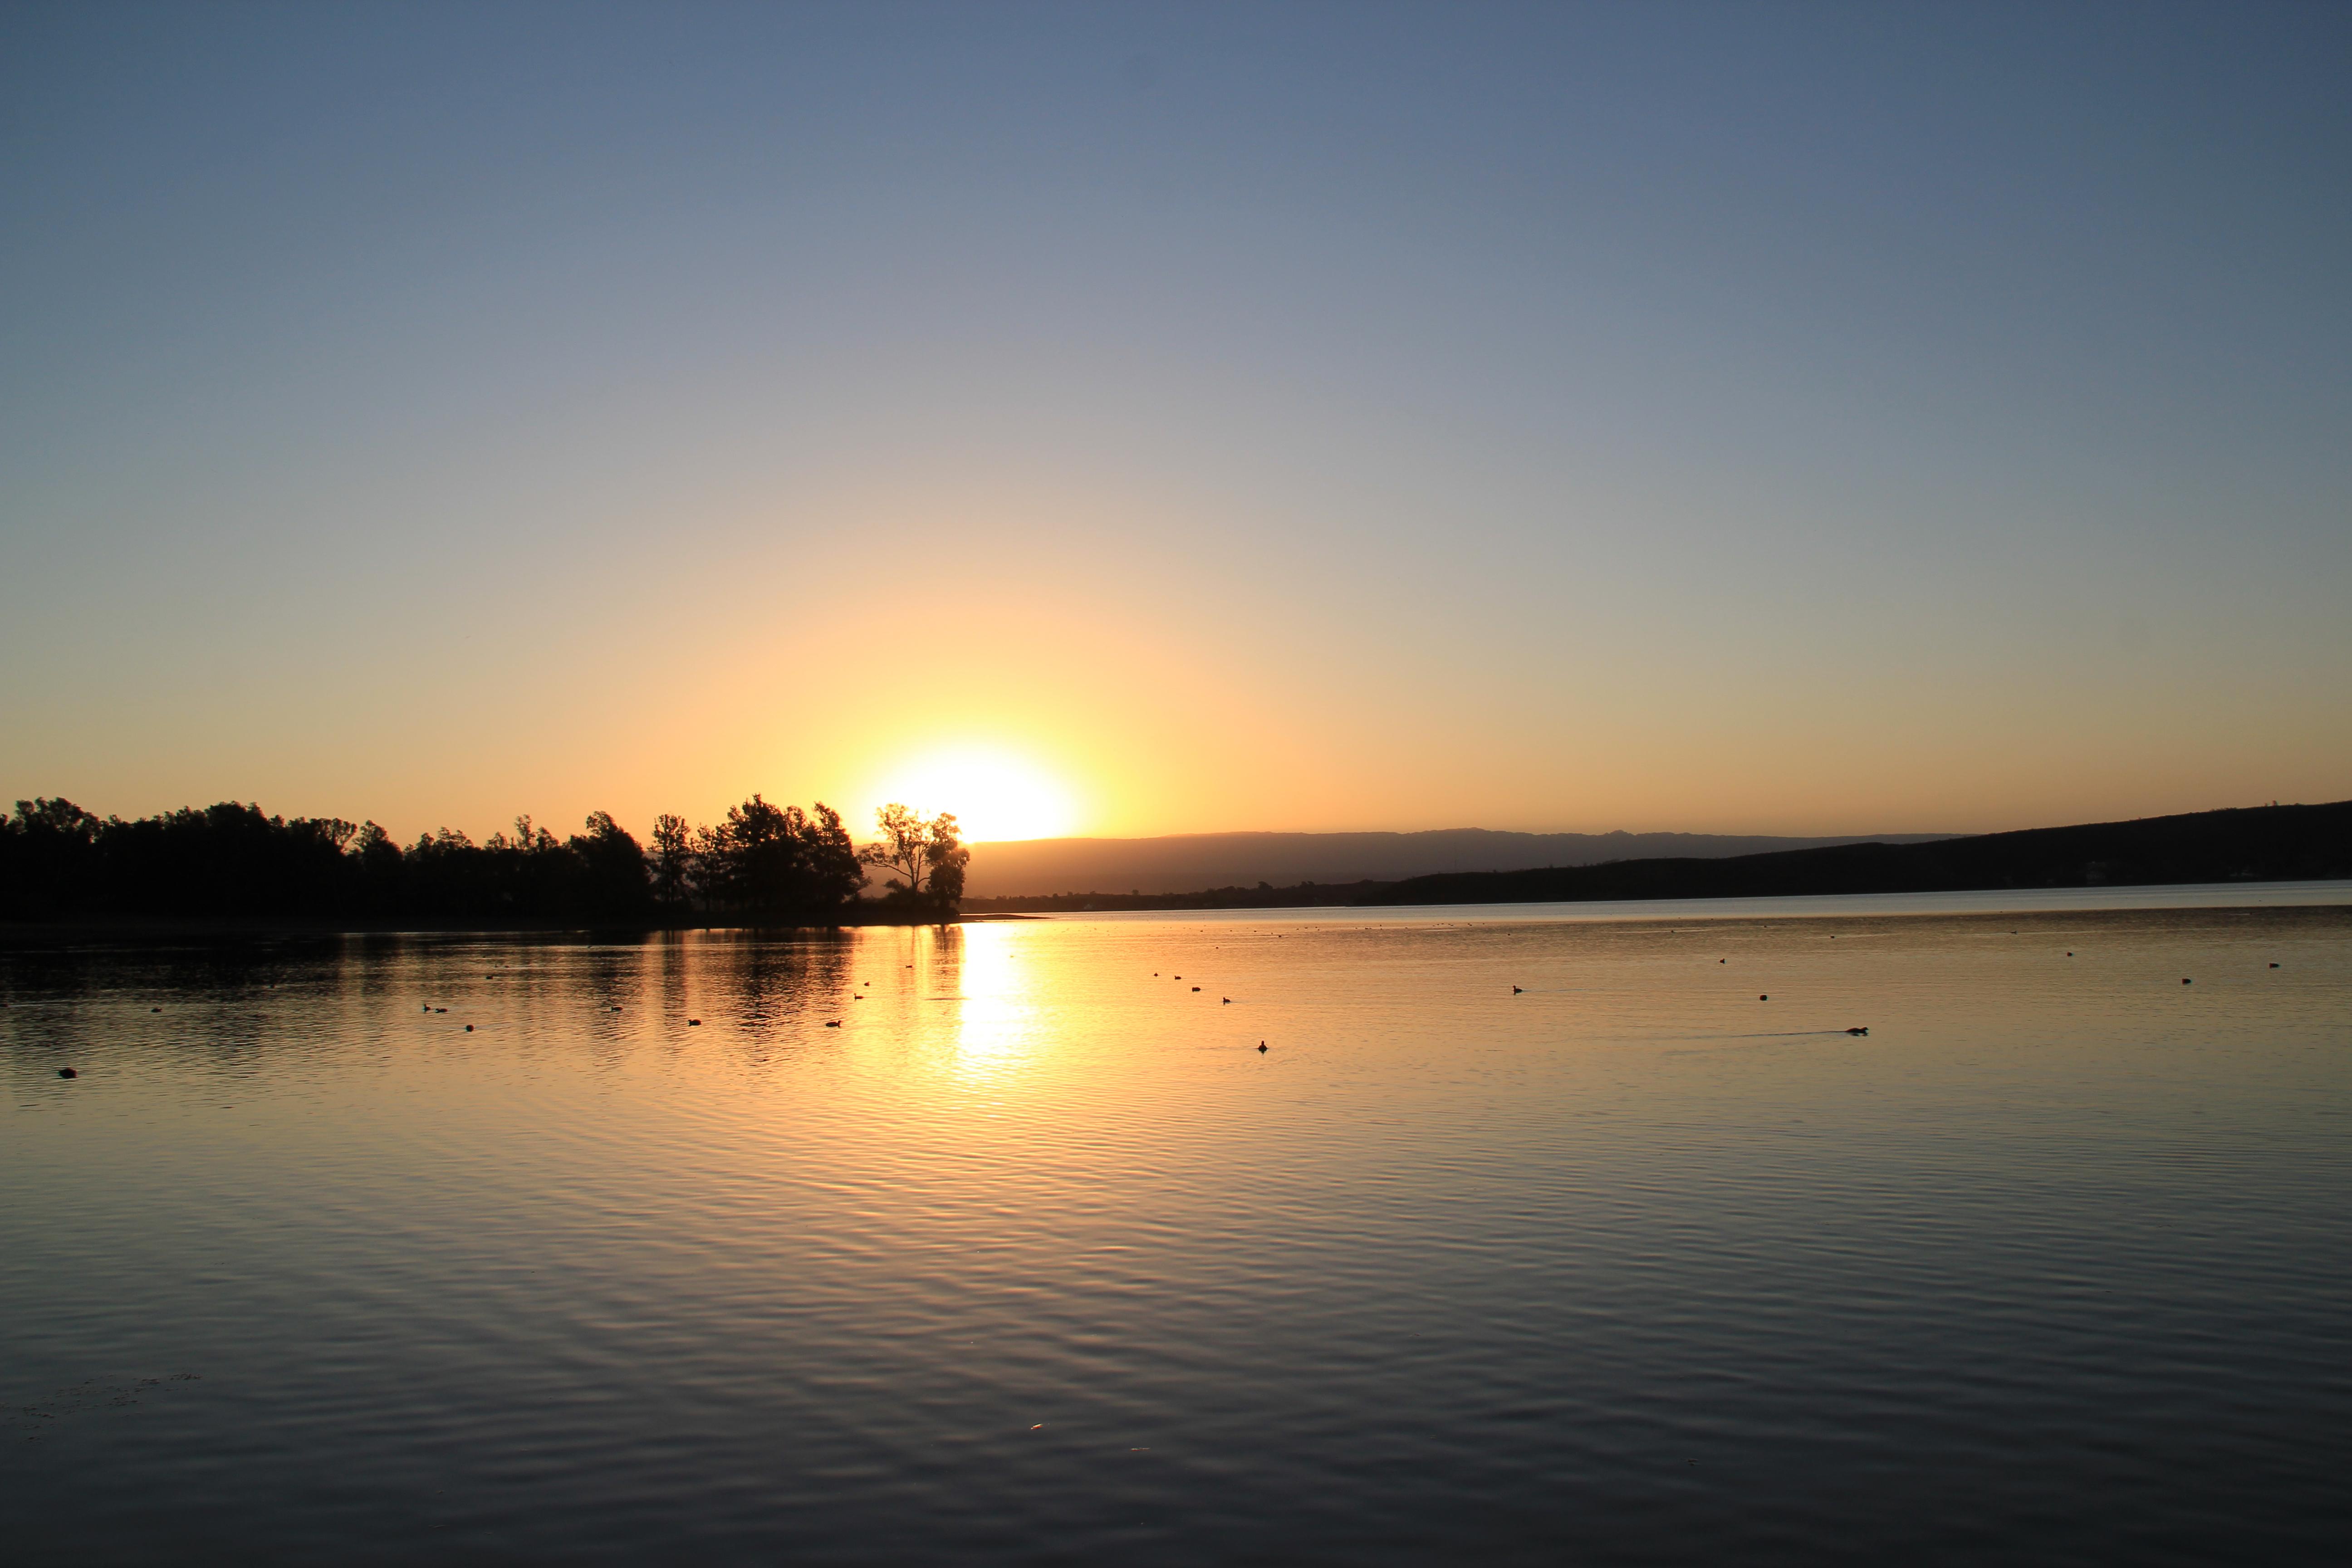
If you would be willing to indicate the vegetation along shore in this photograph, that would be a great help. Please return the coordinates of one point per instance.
(66, 874)
(763, 864)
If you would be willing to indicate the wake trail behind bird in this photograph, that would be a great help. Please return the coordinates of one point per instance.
(1773, 1035)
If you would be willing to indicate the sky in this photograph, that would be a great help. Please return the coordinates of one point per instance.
(1170, 418)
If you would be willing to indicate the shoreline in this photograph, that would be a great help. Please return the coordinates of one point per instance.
(2179, 898)
(2020, 903)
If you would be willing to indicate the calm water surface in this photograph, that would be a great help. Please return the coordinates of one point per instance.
(1036, 1257)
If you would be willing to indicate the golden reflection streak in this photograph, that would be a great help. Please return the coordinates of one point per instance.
(995, 1037)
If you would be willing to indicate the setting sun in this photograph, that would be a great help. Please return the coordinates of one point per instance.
(994, 795)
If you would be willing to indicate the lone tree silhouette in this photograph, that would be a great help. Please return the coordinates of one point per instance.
(929, 858)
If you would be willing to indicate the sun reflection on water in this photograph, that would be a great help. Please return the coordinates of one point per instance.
(996, 1015)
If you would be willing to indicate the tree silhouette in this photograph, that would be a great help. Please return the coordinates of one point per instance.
(763, 856)
(836, 873)
(763, 862)
(772, 861)
(672, 858)
(947, 857)
(928, 857)
(616, 880)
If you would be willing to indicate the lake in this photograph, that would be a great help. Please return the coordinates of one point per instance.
(1526, 1237)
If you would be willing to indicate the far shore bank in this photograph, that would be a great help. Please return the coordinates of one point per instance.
(2228, 849)
(2254, 844)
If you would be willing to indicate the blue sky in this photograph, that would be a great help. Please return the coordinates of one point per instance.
(1818, 418)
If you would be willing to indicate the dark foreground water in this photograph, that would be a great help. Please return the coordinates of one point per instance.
(1036, 1257)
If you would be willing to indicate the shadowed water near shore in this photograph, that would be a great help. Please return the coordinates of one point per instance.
(1004, 1243)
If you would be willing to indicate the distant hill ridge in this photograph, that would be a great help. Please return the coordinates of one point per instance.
(1187, 862)
(2267, 844)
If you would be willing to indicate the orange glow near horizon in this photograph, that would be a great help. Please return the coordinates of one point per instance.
(824, 418)
(996, 794)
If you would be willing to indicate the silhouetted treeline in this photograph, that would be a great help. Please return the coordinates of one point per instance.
(762, 863)
(2265, 843)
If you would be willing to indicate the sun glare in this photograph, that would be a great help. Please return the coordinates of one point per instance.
(994, 795)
